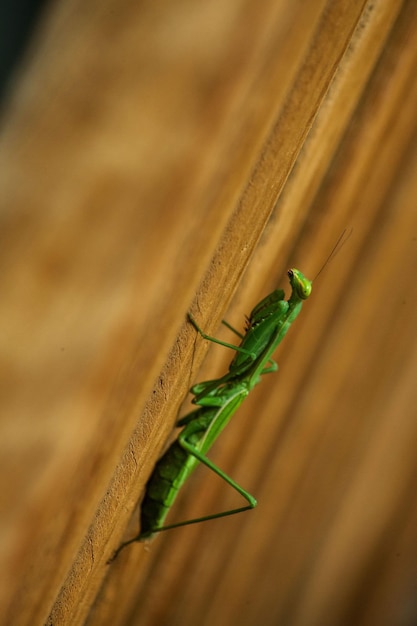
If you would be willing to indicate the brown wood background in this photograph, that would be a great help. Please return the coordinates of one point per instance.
(161, 156)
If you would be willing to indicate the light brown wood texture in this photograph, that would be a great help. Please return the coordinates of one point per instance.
(158, 157)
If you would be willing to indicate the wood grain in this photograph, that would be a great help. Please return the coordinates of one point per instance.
(166, 156)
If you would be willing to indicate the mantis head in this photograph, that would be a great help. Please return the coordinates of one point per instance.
(301, 286)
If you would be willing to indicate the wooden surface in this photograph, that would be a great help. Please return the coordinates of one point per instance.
(168, 156)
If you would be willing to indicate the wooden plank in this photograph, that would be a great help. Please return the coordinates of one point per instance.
(139, 178)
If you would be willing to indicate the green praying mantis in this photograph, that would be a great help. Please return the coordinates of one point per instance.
(217, 401)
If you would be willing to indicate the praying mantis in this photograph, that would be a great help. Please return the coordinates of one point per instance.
(217, 401)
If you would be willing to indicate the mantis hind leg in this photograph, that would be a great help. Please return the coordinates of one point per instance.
(193, 451)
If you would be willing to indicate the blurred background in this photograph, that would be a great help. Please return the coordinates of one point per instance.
(18, 22)
(162, 157)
